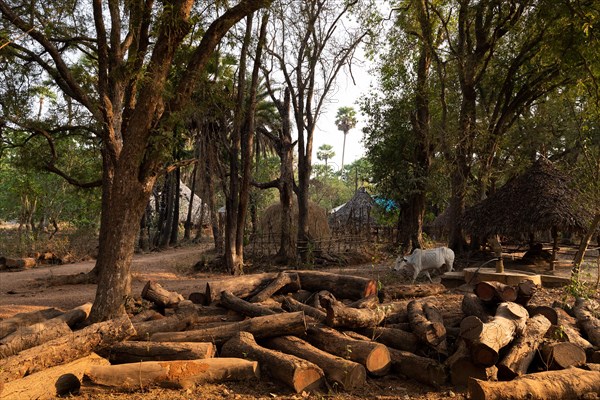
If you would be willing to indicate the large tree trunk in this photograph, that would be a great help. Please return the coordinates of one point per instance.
(571, 383)
(293, 371)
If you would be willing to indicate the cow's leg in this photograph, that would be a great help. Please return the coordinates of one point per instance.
(428, 276)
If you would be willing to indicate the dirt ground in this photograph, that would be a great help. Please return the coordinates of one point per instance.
(25, 291)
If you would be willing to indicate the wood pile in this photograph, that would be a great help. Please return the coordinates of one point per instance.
(310, 330)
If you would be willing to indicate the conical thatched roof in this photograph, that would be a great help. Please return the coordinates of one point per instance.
(539, 199)
(357, 210)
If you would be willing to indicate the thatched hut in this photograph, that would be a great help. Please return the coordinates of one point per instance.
(270, 221)
(540, 199)
(355, 215)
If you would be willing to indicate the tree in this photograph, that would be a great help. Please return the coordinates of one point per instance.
(131, 100)
(325, 153)
(345, 120)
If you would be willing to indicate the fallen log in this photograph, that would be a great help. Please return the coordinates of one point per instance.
(178, 374)
(20, 263)
(32, 335)
(66, 349)
(185, 315)
(234, 303)
(371, 302)
(375, 357)
(242, 286)
(587, 320)
(9, 325)
(421, 369)
(338, 315)
(462, 367)
(548, 312)
(342, 286)
(397, 292)
(495, 292)
(348, 374)
(521, 354)
(131, 352)
(282, 279)
(525, 291)
(260, 327)
(428, 325)
(473, 305)
(154, 292)
(44, 384)
(570, 383)
(595, 357)
(487, 338)
(146, 315)
(562, 355)
(290, 304)
(566, 330)
(395, 338)
(293, 371)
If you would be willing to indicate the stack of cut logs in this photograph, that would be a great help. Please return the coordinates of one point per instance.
(311, 330)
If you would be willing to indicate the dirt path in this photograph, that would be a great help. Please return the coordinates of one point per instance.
(24, 291)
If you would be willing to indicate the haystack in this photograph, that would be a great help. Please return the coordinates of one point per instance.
(318, 228)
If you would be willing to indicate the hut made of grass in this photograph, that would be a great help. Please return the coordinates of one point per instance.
(270, 221)
(355, 215)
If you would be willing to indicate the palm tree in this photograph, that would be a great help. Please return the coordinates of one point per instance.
(345, 120)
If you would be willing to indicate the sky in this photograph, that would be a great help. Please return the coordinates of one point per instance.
(345, 94)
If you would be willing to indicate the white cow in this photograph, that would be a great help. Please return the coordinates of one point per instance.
(425, 260)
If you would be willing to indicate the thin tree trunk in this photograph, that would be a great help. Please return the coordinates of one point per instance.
(188, 219)
(176, 203)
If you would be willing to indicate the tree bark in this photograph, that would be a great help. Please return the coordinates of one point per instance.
(473, 305)
(228, 300)
(375, 357)
(571, 383)
(260, 327)
(338, 315)
(66, 349)
(178, 374)
(348, 374)
(9, 325)
(428, 325)
(342, 286)
(282, 280)
(395, 338)
(521, 354)
(154, 292)
(486, 339)
(587, 321)
(421, 369)
(43, 385)
(133, 352)
(293, 371)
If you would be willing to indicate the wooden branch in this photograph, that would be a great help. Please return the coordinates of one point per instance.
(348, 374)
(132, 352)
(260, 327)
(521, 354)
(293, 371)
(178, 374)
(65, 349)
(570, 383)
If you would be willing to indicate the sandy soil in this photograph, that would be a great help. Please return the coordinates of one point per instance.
(28, 290)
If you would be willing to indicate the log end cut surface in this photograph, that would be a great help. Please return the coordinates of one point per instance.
(379, 361)
(308, 379)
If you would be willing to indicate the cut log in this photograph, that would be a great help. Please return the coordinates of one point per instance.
(293, 371)
(342, 286)
(395, 338)
(66, 349)
(242, 286)
(320, 298)
(421, 369)
(260, 327)
(232, 302)
(44, 384)
(595, 357)
(396, 292)
(32, 335)
(570, 383)
(566, 330)
(525, 291)
(178, 374)
(146, 315)
(495, 292)
(338, 315)
(345, 373)
(428, 325)
(521, 354)
(462, 368)
(160, 296)
(76, 316)
(485, 339)
(374, 356)
(9, 325)
(20, 263)
(131, 352)
(290, 304)
(562, 355)
(473, 306)
(214, 320)
(185, 315)
(586, 319)
(282, 279)
(371, 302)
(548, 312)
